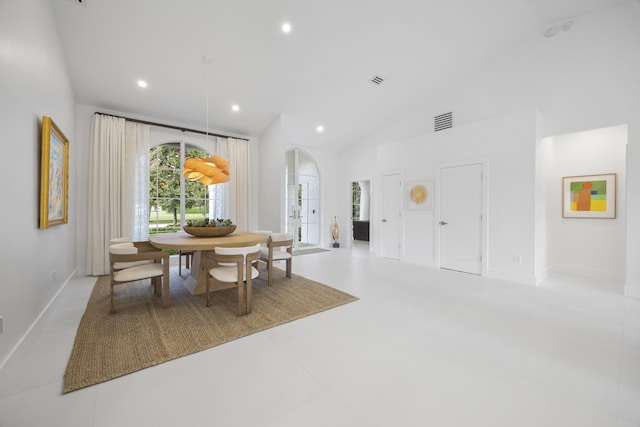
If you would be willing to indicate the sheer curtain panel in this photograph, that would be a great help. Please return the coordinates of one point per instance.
(137, 143)
(117, 180)
(237, 152)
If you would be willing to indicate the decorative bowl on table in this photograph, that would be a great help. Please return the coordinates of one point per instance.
(206, 228)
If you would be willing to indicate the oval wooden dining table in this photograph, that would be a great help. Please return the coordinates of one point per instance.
(195, 282)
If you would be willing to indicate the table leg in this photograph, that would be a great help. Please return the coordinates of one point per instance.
(195, 282)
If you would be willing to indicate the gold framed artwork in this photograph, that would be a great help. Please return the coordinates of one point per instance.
(54, 175)
(589, 196)
(419, 194)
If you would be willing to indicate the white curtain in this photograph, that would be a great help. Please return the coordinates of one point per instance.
(236, 151)
(137, 143)
(119, 156)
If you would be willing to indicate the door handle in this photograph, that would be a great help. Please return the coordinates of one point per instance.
(442, 223)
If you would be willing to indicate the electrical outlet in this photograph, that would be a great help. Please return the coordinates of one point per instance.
(53, 276)
(1, 325)
(517, 259)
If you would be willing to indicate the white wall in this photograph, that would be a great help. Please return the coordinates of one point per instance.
(506, 145)
(34, 82)
(356, 163)
(544, 155)
(592, 247)
(632, 279)
(271, 183)
(582, 79)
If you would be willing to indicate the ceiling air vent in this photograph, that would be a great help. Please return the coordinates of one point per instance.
(443, 121)
(377, 80)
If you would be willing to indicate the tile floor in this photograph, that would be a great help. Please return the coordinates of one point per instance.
(422, 347)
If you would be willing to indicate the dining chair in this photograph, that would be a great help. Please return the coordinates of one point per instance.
(279, 248)
(116, 240)
(234, 265)
(127, 241)
(155, 266)
(267, 233)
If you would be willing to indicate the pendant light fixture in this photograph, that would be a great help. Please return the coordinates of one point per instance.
(208, 170)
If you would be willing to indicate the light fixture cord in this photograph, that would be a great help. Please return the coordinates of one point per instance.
(206, 68)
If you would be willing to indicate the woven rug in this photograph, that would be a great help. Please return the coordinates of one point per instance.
(142, 334)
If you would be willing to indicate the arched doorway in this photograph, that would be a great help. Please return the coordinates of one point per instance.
(302, 199)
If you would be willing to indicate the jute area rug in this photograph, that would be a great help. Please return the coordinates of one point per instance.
(142, 334)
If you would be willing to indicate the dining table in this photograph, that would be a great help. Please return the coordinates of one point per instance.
(196, 280)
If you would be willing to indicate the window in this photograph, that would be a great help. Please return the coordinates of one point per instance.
(356, 192)
(172, 199)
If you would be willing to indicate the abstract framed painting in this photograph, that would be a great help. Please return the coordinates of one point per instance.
(54, 178)
(589, 196)
(419, 195)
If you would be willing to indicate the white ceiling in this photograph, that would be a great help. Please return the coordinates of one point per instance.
(318, 74)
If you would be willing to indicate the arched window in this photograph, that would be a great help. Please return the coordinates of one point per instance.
(172, 199)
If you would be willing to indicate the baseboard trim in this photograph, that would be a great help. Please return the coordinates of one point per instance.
(19, 350)
(574, 270)
(632, 291)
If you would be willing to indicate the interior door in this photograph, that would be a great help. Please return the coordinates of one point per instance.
(391, 216)
(461, 218)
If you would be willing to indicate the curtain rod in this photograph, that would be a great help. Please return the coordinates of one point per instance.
(183, 129)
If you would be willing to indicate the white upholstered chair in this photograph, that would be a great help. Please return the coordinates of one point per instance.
(124, 242)
(138, 262)
(279, 248)
(234, 265)
(117, 240)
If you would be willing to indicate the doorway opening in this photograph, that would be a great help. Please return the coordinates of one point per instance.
(302, 199)
(360, 211)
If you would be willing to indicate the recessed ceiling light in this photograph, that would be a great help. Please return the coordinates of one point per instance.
(142, 83)
(235, 107)
(320, 129)
(286, 28)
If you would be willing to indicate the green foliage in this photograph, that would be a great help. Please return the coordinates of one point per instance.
(206, 222)
(164, 184)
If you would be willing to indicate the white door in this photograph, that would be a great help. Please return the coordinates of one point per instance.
(302, 199)
(461, 218)
(391, 202)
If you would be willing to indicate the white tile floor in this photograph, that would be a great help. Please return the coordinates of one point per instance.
(422, 347)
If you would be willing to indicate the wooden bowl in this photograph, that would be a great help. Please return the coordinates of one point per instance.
(209, 231)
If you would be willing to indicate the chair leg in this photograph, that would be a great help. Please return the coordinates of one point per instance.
(113, 305)
(207, 287)
(165, 286)
(187, 261)
(289, 267)
(155, 281)
(269, 270)
(241, 305)
(249, 292)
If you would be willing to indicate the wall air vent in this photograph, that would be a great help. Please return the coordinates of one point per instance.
(377, 80)
(443, 121)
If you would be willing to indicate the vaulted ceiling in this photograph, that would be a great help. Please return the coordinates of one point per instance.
(318, 74)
